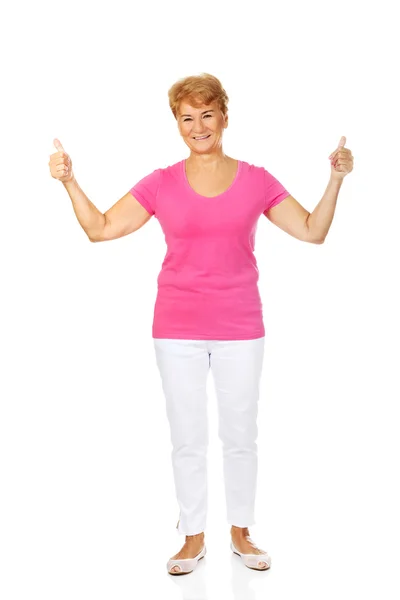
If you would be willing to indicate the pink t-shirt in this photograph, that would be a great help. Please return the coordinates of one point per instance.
(208, 283)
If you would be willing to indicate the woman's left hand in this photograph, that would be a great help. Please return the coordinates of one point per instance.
(341, 161)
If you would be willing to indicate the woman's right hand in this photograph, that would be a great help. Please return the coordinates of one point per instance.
(60, 164)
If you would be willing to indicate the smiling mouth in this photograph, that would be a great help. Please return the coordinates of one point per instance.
(202, 138)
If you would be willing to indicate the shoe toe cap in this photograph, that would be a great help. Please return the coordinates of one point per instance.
(174, 568)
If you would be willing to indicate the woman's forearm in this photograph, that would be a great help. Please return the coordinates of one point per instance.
(90, 218)
(319, 221)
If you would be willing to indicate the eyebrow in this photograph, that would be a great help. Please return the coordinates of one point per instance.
(204, 111)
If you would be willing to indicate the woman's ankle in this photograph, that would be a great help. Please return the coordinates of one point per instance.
(243, 531)
(196, 537)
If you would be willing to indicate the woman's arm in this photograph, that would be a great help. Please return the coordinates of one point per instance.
(313, 227)
(90, 218)
(290, 216)
(124, 217)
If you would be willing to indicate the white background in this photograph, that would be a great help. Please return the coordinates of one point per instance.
(87, 503)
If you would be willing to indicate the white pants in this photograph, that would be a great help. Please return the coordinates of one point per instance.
(236, 367)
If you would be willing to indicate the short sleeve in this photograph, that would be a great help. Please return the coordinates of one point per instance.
(145, 191)
(275, 192)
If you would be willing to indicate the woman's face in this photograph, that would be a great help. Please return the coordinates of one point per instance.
(207, 120)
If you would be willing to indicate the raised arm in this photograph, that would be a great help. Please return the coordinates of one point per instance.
(125, 216)
(313, 227)
(290, 216)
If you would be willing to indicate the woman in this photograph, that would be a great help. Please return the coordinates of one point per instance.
(208, 311)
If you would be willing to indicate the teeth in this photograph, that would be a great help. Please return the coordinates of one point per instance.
(201, 138)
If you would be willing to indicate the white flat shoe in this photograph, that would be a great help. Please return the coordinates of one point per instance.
(253, 561)
(185, 565)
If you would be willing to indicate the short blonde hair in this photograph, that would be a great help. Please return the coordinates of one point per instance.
(197, 90)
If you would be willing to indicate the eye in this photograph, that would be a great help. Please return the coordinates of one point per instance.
(188, 119)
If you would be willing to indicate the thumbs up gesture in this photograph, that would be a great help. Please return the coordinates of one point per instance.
(341, 161)
(60, 163)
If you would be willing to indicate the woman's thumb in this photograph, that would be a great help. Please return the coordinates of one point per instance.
(58, 145)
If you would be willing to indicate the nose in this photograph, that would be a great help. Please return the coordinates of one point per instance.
(199, 128)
